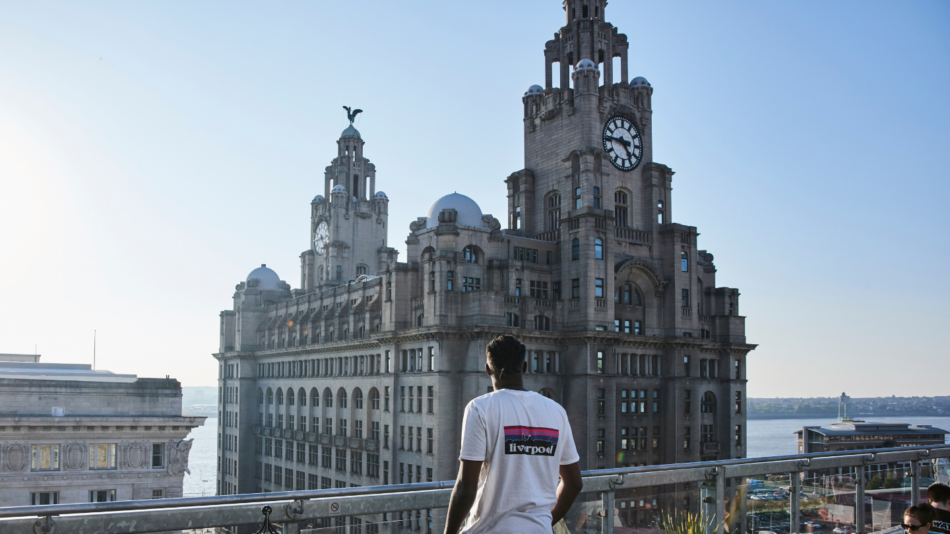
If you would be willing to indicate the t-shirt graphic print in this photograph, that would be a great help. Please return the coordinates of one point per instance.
(534, 441)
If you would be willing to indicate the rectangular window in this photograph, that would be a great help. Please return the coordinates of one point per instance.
(43, 498)
(301, 453)
(372, 465)
(386, 397)
(385, 473)
(738, 435)
(267, 472)
(340, 455)
(599, 288)
(402, 438)
(738, 402)
(600, 362)
(102, 495)
(46, 458)
(385, 436)
(278, 475)
(430, 400)
(556, 290)
(685, 298)
(101, 456)
(686, 437)
(575, 288)
(431, 358)
(356, 462)
(325, 458)
(313, 454)
(158, 455)
(429, 440)
(402, 398)
(450, 281)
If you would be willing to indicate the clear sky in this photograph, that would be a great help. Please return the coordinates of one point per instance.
(154, 153)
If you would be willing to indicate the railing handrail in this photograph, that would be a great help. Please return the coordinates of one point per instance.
(254, 498)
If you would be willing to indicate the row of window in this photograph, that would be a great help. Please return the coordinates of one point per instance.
(631, 364)
(42, 498)
(541, 322)
(46, 457)
(621, 208)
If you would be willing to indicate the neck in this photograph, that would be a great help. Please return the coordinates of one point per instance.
(515, 382)
(945, 506)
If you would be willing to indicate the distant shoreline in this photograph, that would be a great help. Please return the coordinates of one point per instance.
(833, 418)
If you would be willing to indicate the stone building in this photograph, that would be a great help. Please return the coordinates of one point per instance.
(360, 376)
(70, 434)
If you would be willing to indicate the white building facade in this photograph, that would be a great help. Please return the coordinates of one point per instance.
(69, 434)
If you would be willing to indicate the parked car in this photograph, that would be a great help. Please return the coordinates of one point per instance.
(843, 529)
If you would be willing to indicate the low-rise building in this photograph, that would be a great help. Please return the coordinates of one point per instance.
(71, 434)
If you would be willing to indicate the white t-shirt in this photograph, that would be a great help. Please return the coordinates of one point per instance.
(523, 438)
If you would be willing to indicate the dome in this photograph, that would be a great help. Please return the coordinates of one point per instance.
(350, 132)
(639, 81)
(535, 90)
(381, 195)
(338, 188)
(585, 64)
(469, 214)
(267, 279)
(318, 199)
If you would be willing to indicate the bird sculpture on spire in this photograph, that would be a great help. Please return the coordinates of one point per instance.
(351, 114)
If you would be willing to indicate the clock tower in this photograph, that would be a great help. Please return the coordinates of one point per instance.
(348, 221)
(590, 183)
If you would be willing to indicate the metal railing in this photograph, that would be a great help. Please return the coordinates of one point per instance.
(292, 507)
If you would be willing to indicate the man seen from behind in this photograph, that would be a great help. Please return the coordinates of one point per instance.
(515, 444)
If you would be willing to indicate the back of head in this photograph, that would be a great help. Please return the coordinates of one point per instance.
(506, 355)
(938, 493)
(922, 512)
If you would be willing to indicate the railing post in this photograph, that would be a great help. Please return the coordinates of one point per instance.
(859, 500)
(607, 523)
(794, 502)
(915, 483)
(743, 507)
(721, 498)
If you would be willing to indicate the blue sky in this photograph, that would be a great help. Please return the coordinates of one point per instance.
(152, 154)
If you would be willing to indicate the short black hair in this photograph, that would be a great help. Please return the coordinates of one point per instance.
(922, 512)
(506, 355)
(939, 493)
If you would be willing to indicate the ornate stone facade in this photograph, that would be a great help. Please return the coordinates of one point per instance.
(62, 442)
(616, 303)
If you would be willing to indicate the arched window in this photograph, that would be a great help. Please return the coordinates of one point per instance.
(260, 396)
(575, 249)
(471, 255)
(290, 397)
(554, 211)
(684, 262)
(596, 197)
(431, 280)
(314, 398)
(270, 396)
(620, 209)
(280, 397)
(598, 249)
(360, 269)
(341, 396)
(327, 399)
(627, 294)
(358, 400)
(302, 395)
(374, 399)
(659, 212)
(709, 403)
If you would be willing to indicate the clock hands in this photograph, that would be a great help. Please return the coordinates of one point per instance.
(626, 145)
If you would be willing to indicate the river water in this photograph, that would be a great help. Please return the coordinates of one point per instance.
(766, 437)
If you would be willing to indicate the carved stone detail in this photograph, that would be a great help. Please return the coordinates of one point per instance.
(15, 456)
(74, 455)
(178, 451)
(136, 455)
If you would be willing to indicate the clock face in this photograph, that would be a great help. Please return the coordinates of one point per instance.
(320, 237)
(622, 143)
